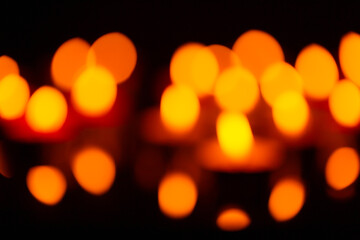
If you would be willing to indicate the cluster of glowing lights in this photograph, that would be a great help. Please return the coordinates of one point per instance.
(251, 85)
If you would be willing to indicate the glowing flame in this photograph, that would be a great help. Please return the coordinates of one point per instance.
(46, 183)
(8, 66)
(286, 199)
(349, 56)
(177, 195)
(94, 169)
(233, 219)
(46, 110)
(225, 57)
(342, 168)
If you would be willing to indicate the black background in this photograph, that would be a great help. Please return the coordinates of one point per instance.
(30, 32)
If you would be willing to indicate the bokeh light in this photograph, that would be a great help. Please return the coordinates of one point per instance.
(225, 57)
(278, 78)
(236, 89)
(46, 183)
(68, 61)
(349, 56)
(14, 95)
(318, 70)
(94, 169)
(257, 50)
(233, 219)
(291, 113)
(342, 168)
(286, 199)
(94, 92)
(46, 110)
(177, 195)
(344, 103)
(196, 66)
(8, 66)
(179, 108)
(234, 135)
(115, 52)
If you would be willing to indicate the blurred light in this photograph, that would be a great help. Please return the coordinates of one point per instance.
(278, 78)
(318, 70)
(179, 108)
(94, 92)
(46, 110)
(8, 66)
(115, 52)
(342, 168)
(286, 199)
(226, 58)
(14, 95)
(257, 50)
(234, 135)
(233, 219)
(195, 66)
(344, 103)
(177, 195)
(46, 183)
(349, 56)
(68, 61)
(94, 169)
(236, 89)
(291, 113)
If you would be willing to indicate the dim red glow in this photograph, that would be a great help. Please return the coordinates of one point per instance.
(344, 103)
(278, 78)
(8, 66)
(349, 56)
(236, 89)
(14, 95)
(46, 110)
(68, 61)
(115, 52)
(318, 70)
(179, 108)
(46, 183)
(234, 135)
(94, 169)
(196, 66)
(291, 113)
(342, 168)
(257, 50)
(233, 219)
(177, 195)
(94, 92)
(286, 199)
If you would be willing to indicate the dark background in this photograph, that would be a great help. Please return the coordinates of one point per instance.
(30, 32)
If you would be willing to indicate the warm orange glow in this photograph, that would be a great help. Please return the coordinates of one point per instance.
(68, 61)
(225, 57)
(177, 195)
(179, 108)
(234, 135)
(257, 50)
(117, 53)
(94, 92)
(318, 70)
(195, 66)
(349, 56)
(46, 110)
(342, 168)
(233, 219)
(14, 95)
(94, 169)
(286, 199)
(47, 184)
(344, 103)
(236, 89)
(291, 113)
(8, 66)
(278, 78)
